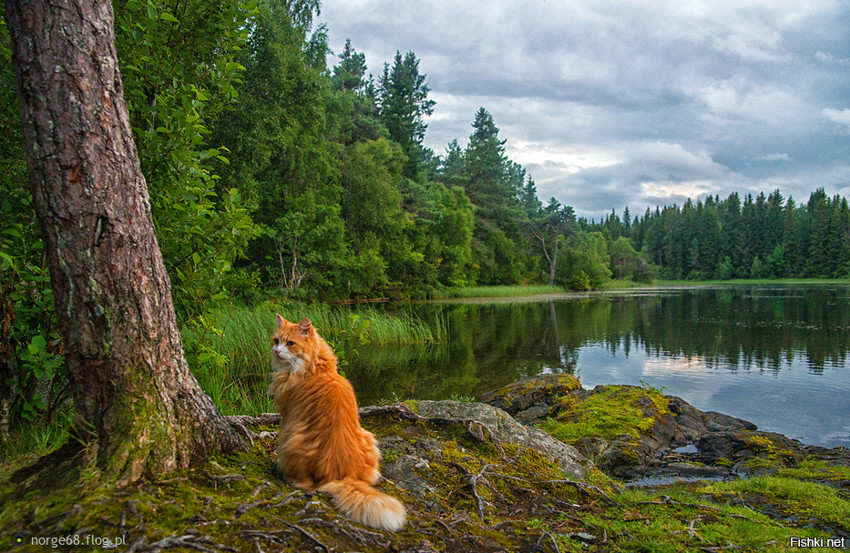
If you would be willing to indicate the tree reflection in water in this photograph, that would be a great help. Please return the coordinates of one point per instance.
(711, 345)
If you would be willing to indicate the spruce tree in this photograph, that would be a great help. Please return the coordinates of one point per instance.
(403, 106)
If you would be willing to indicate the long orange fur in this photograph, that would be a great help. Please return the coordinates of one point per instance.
(322, 445)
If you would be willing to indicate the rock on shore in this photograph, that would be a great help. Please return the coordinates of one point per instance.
(647, 433)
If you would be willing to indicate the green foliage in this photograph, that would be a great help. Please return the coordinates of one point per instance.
(347, 339)
(179, 66)
(279, 152)
(586, 262)
(445, 223)
(627, 264)
(403, 105)
(372, 210)
(462, 398)
(32, 369)
(725, 269)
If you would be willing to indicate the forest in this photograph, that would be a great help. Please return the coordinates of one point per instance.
(279, 169)
(761, 237)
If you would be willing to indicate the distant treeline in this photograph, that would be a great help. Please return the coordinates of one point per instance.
(761, 237)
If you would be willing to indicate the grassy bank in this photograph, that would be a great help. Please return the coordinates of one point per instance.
(613, 285)
(497, 291)
(753, 281)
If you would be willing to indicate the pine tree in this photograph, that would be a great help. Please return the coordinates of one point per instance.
(349, 74)
(821, 253)
(497, 213)
(793, 239)
(138, 410)
(528, 199)
(486, 166)
(403, 106)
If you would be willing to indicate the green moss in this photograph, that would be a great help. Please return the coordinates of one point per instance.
(615, 411)
(812, 469)
(563, 383)
(771, 454)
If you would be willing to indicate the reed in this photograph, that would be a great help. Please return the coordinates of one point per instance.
(228, 349)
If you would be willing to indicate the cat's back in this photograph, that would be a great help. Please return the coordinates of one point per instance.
(331, 392)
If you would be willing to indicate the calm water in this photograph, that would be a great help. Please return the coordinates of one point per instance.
(777, 356)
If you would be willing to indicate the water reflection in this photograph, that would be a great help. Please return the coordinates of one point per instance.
(774, 355)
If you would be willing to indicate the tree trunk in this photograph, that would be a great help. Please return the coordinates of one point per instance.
(552, 259)
(554, 264)
(138, 409)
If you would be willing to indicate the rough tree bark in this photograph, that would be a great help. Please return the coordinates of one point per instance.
(138, 409)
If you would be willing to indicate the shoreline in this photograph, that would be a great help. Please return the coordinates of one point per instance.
(472, 477)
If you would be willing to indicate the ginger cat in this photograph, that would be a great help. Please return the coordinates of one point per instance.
(322, 446)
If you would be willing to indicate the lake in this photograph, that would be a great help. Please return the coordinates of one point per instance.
(775, 355)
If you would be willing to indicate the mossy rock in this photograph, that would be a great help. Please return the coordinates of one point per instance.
(542, 392)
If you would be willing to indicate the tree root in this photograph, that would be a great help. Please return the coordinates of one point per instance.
(305, 533)
(474, 480)
(584, 488)
(691, 531)
(188, 541)
(256, 535)
(551, 538)
(225, 477)
(266, 419)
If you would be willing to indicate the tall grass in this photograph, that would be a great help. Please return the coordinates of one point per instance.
(30, 440)
(497, 291)
(228, 350)
(242, 328)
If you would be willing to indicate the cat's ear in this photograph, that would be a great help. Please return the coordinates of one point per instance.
(305, 328)
(281, 321)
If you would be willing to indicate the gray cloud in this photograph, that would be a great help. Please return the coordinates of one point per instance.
(615, 104)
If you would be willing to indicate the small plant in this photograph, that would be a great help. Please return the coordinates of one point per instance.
(346, 339)
(391, 400)
(463, 399)
(652, 389)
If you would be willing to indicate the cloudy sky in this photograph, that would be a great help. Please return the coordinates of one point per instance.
(611, 104)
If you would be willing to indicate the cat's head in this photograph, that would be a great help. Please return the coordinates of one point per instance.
(293, 345)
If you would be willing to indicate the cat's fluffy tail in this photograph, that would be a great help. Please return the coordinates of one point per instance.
(363, 503)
